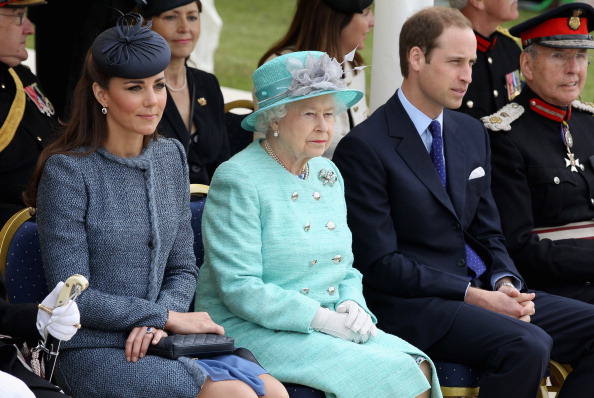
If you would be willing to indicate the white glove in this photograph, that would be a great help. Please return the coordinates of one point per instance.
(11, 387)
(333, 323)
(358, 320)
(61, 323)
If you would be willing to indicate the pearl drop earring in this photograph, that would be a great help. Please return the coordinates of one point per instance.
(275, 133)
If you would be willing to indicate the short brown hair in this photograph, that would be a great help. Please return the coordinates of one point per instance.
(423, 28)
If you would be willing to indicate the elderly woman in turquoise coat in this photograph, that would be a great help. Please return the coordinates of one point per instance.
(278, 272)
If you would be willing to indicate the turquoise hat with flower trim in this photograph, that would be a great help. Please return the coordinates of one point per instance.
(298, 76)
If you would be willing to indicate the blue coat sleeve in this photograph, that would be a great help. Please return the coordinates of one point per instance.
(181, 271)
(61, 212)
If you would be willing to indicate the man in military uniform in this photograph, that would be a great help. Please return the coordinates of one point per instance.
(543, 156)
(495, 75)
(26, 115)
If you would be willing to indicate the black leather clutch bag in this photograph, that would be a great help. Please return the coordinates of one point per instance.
(198, 345)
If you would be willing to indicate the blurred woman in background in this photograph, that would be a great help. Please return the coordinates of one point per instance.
(194, 113)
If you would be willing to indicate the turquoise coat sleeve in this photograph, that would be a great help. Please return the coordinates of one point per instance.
(351, 288)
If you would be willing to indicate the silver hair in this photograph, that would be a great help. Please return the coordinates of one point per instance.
(265, 119)
(531, 50)
(267, 116)
(459, 4)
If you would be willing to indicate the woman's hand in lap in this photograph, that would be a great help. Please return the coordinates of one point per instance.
(139, 340)
(192, 322)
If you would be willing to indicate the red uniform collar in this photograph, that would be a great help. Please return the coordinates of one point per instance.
(483, 44)
(549, 111)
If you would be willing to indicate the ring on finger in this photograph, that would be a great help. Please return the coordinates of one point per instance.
(150, 331)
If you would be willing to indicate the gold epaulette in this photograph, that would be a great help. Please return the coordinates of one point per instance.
(505, 32)
(15, 113)
(583, 106)
(503, 118)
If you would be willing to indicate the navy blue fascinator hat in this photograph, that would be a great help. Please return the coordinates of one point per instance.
(130, 50)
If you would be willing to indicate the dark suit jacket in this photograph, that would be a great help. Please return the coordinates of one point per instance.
(17, 321)
(213, 142)
(408, 233)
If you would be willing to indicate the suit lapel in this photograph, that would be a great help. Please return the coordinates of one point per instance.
(411, 149)
(171, 114)
(455, 161)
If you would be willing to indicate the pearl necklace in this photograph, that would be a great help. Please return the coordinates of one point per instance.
(183, 85)
(304, 171)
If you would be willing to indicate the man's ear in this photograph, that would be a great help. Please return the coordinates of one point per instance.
(526, 65)
(100, 94)
(478, 4)
(416, 58)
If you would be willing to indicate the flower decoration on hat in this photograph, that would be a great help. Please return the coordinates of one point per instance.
(313, 75)
(131, 50)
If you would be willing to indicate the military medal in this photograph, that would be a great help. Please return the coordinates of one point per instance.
(513, 84)
(43, 103)
(567, 138)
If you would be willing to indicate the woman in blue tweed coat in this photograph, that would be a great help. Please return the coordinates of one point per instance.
(113, 205)
(278, 271)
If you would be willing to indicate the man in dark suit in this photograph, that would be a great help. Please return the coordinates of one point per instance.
(426, 232)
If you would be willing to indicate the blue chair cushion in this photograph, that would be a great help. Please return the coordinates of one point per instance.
(25, 279)
(457, 375)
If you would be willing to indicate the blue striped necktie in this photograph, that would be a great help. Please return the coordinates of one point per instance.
(473, 261)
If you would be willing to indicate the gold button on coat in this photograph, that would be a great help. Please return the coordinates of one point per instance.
(306, 228)
(316, 195)
(337, 258)
(330, 225)
(556, 180)
(305, 290)
(295, 196)
(331, 290)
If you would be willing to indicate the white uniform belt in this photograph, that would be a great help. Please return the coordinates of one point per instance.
(576, 230)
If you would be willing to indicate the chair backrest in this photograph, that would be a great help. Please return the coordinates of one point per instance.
(235, 112)
(20, 259)
(198, 192)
